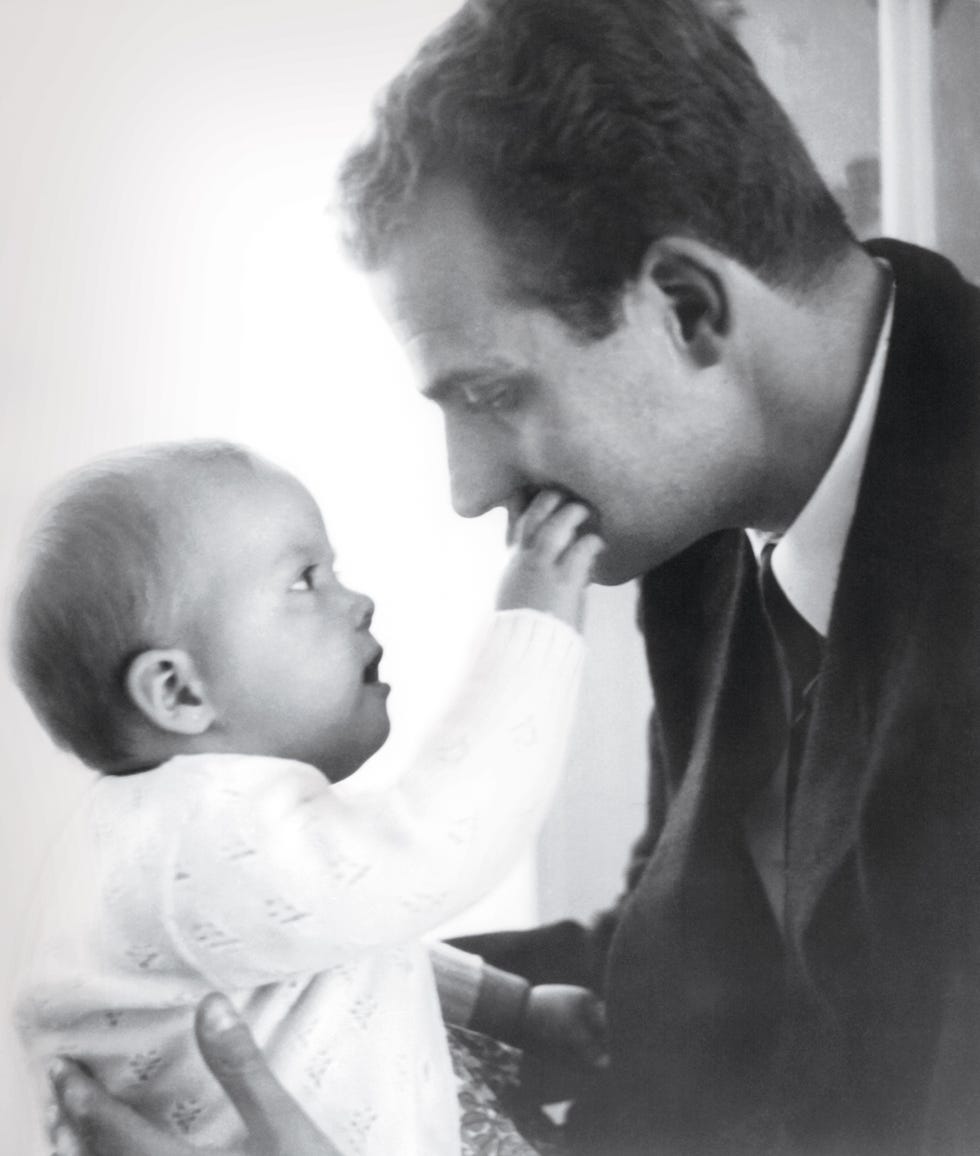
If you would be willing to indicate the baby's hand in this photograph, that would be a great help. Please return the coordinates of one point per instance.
(566, 1024)
(552, 562)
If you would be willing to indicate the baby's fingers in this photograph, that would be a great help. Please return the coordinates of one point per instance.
(558, 533)
(538, 510)
(580, 557)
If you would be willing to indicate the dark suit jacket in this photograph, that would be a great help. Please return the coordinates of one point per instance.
(861, 1033)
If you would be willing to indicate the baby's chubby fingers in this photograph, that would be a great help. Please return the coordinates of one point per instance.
(558, 531)
(538, 510)
(579, 558)
(548, 568)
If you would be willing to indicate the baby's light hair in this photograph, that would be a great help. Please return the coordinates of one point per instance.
(100, 583)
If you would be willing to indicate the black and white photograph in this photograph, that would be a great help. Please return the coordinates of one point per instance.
(490, 577)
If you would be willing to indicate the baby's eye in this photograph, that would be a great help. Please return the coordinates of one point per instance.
(499, 396)
(306, 580)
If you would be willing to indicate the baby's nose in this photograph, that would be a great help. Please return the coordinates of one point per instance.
(363, 611)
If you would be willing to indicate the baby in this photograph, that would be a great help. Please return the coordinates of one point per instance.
(180, 627)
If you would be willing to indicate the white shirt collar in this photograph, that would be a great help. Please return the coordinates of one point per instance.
(807, 558)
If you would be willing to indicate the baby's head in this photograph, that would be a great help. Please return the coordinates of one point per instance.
(181, 599)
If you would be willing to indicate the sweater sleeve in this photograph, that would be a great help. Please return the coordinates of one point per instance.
(475, 995)
(459, 976)
(294, 876)
(567, 951)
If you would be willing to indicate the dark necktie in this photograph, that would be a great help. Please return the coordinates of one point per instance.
(800, 650)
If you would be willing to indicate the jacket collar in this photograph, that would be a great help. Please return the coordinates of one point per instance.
(807, 558)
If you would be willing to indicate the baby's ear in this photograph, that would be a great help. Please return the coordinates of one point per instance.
(165, 687)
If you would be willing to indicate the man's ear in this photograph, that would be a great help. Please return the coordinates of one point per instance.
(690, 275)
(165, 687)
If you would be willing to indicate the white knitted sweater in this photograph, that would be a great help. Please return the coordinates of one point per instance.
(305, 904)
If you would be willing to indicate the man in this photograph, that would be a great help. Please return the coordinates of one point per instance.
(619, 275)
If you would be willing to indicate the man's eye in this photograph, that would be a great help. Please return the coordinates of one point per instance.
(306, 580)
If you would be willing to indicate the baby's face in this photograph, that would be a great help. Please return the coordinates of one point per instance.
(285, 651)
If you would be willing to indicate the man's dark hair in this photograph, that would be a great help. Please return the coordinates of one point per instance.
(585, 130)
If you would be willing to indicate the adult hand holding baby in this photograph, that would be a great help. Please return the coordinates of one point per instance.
(562, 1023)
(93, 1123)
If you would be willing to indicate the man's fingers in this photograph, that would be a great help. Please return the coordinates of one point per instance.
(596, 1056)
(232, 1055)
(595, 1053)
(597, 1050)
(93, 1123)
(546, 1082)
(274, 1120)
(62, 1137)
(65, 1142)
(52, 1120)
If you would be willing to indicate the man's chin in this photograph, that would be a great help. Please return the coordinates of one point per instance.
(611, 569)
(615, 567)
(618, 564)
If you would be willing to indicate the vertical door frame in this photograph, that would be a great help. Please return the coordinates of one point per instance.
(908, 178)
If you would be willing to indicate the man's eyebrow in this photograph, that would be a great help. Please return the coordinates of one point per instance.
(446, 384)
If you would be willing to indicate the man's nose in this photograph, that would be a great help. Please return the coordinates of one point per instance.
(479, 477)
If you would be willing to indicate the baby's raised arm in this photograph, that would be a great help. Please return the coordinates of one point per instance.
(317, 875)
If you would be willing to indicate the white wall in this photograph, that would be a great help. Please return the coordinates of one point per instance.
(821, 61)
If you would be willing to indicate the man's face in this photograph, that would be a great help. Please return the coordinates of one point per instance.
(626, 424)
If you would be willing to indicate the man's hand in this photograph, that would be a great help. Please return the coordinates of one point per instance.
(93, 1123)
(552, 559)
